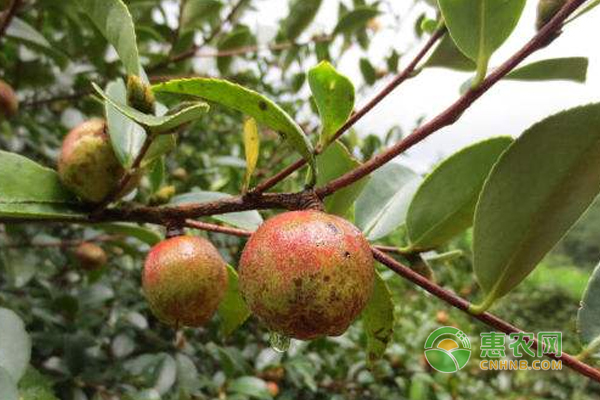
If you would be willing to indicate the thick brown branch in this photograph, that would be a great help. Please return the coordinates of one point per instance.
(401, 77)
(486, 318)
(453, 113)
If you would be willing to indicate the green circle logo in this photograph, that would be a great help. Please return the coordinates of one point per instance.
(447, 349)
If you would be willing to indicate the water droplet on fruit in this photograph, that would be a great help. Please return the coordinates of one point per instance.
(280, 343)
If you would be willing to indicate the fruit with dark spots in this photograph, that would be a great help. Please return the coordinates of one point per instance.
(88, 165)
(90, 256)
(307, 274)
(9, 104)
(184, 280)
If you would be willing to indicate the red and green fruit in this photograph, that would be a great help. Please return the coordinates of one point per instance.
(184, 280)
(307, 274)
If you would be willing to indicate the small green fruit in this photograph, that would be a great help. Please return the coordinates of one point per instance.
(90, 256)
(184, 280)
(546, 10)
(140, 95)
(307, 274)
(9, 104)
(87, 164)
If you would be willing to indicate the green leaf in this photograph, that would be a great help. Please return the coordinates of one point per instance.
(302, 13)
(126, 136)
(28, 189)
(334, 162)
(8, 387)
(157, 124)
(250, 386)
(15, 344)
(378, 320)
(447, 55)
(232, 310)
(355, 20)
(368, 71)
(251, 149)
(588, 316)
(197, 12)
(114, 21)
(566, 69)
(251, 103)
(445, 202)
(21, 266)
(249, 220)
(382, 206)
(143, 234)
(156, 176)
(479, 27)
(21, 31)
(334, 96)
(538, 189)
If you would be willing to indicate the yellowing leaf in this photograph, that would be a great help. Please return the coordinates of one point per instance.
(251, 147)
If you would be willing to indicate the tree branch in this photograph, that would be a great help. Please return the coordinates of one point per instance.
(9, 14)
(399, 79)
(453, 113)
(487, 318)
(205, 41)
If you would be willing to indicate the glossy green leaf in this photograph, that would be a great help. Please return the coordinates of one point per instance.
(126, 136)
(144, 234)
(355, 20)
(114, 21)
(28, 189)
(197, 12)
(480, 27)
(334, 97)
(445, 202)
(251, 149)
(382, 206)
(447, 55)
(378, 320)
(250, 386)
(588, 316)
(232, 309)
(157, 124)
(21, 31)
(251, 103)
(368, 71)
(249, 220)
(8, 387)
(302, 13)
(334, 162)
(15, 344)
(566, 69)
(531, 199)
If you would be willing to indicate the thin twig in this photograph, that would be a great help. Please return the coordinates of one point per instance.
(487, 318)
(205, 41)
(400, 78)
(204, 226)
(454, 112)
(127, 176)
(9, 14)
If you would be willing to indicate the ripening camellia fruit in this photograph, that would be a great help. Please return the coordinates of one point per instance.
(90, 256)
(307, 274)
(184, 280)
(9, 104)
(88, 165)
